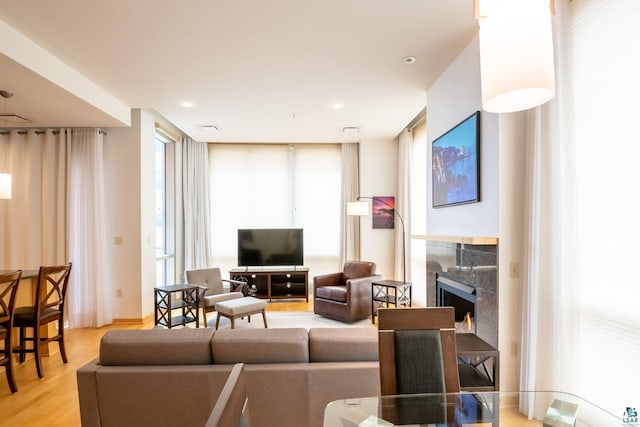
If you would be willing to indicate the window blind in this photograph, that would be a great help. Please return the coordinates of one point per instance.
(606, 65)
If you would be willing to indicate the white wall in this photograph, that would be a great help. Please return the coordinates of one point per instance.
(130, 202)
(378, 177)
(122, 201)
(511, 237)
(453, 97)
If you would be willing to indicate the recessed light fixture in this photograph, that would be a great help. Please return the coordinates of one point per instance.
(186, 104)
(337, 105)
(409, 59)
(350, 129)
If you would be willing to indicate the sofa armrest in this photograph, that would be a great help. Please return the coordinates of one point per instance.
(88, 394)
(331, 279)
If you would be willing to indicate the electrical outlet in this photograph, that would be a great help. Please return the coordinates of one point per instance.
(119, 293)
(514, 270)
(514, 349)
(118, 240)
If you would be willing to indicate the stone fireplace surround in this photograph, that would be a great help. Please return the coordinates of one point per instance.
(472, 263)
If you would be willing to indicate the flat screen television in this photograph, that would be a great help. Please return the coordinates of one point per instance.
(270, 247)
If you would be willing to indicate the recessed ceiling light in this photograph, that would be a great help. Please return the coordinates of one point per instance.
(409, 59)
(186, 104)
(337, 105)
(350, 129)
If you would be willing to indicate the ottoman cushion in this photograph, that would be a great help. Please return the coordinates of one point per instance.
(238, 307)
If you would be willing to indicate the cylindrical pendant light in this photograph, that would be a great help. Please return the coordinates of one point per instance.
(516, 54)
(5, 185)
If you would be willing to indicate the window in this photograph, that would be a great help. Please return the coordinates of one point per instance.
(276, 186)
(605, 62)
(164, 218)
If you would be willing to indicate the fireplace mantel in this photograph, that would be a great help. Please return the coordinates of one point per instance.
(459, 239)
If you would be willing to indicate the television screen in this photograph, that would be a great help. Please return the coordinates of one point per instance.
(270, 247)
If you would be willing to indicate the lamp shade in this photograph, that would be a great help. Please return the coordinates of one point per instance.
(516, 55)
(5, 185)
(357, 208)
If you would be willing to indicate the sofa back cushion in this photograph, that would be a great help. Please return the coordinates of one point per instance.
(343, 344)
(156, 347)
(285, 345)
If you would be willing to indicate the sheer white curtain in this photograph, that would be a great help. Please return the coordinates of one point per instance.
(56, 214)
(403, 207)
(349, 225)
(549, 323)
(33, 223)
(89, 298)
(580, 332)
(418, 243)
(195, 193)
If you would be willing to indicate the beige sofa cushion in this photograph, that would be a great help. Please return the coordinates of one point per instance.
(286, 345)
(343, 344)
(156, 347)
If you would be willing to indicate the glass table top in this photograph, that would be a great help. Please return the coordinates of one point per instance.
(549, 408)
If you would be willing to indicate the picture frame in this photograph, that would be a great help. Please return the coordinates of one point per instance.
(383, 212)
(455, 164)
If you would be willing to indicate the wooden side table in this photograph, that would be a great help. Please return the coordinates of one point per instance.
(385, 292)
(474, 354)
(185, 297)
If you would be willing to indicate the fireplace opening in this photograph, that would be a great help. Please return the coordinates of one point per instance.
(460, 296)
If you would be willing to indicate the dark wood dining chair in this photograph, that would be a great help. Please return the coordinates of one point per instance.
(51, 291)
(8, 291)
(417, 351)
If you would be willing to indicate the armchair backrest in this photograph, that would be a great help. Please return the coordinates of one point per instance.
(357, 269)
(209, 277)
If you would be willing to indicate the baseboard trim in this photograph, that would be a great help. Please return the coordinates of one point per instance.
(132, 321)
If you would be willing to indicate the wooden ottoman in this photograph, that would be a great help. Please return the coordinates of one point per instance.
(232, 309)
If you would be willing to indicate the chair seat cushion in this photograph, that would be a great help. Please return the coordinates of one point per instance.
(211, 300)
(25, 316)
(333, 293)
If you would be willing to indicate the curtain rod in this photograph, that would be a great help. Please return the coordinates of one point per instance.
(40, 132)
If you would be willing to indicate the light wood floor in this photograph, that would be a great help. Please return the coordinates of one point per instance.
(53, 400)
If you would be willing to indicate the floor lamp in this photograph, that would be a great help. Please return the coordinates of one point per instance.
(359, 208)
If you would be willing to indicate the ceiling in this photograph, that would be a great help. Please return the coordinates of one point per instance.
(258, 70)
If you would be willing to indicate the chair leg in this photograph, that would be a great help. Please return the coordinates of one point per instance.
(63, 351)
(21, 348)
(204, 316)
(217, 321)
(36, 350)
(8, 367)
(264, 317)
(10, 378)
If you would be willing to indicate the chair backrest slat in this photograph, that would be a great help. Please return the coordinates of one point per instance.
(8, 291)
(52, 288)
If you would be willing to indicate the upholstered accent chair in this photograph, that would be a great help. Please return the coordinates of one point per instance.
(345, 296)
(216, 291)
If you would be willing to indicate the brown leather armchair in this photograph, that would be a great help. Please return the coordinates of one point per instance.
(345, 296)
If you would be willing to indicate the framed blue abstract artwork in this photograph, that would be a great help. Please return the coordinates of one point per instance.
(456, 164)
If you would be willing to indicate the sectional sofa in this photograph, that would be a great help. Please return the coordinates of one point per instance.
(172, 377)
